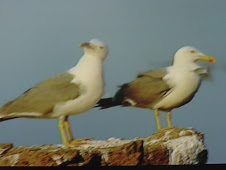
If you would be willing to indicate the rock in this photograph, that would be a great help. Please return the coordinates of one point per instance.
(175, 146)
(168, 147)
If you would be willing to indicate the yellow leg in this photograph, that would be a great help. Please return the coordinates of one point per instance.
(63, 133)
(157, 119)
(169, 120)
(66, 134)
(68, 130)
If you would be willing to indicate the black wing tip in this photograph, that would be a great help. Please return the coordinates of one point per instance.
(101, 107)
(4, 119)
(106, 103)
(113, 101)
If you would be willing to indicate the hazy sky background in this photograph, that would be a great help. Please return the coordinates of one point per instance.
(40, 38)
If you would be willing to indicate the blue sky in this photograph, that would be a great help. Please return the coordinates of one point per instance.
(40, 38)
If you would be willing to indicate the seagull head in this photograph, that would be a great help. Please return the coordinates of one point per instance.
(95, 48)
(186, 55)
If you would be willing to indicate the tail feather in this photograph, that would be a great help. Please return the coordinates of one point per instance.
(106, 103)
(117, 100)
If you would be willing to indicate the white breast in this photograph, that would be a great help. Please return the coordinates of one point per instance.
(89, 76)
(184, 84)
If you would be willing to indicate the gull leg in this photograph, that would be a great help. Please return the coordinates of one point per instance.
(63, 132)
(66, 133)
(68, 129)
(157, 119)
(169, 120)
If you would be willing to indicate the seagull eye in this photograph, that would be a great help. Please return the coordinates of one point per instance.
(192, 51)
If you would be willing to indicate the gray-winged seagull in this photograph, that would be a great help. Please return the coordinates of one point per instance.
(163, 89)
(72, 92)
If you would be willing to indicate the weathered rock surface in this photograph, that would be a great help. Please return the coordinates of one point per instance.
(168, 147)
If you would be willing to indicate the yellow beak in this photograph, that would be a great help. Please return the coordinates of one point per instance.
(207, 58)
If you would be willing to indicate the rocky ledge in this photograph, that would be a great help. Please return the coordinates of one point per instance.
(168, 147)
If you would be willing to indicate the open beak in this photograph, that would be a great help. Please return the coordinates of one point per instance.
(85, 44)
(207, 58)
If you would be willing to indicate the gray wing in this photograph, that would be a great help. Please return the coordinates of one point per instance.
(157, 73)
(147, 89)
(42, 97)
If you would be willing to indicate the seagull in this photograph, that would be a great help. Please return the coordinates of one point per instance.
(163, 89)
(69, 93)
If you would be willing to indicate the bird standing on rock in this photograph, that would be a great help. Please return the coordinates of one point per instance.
(72, 92)
(163, 89)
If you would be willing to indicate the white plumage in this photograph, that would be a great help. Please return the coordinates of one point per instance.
(182, 78)
(163, 89)
(88, 74)
(72, 92)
